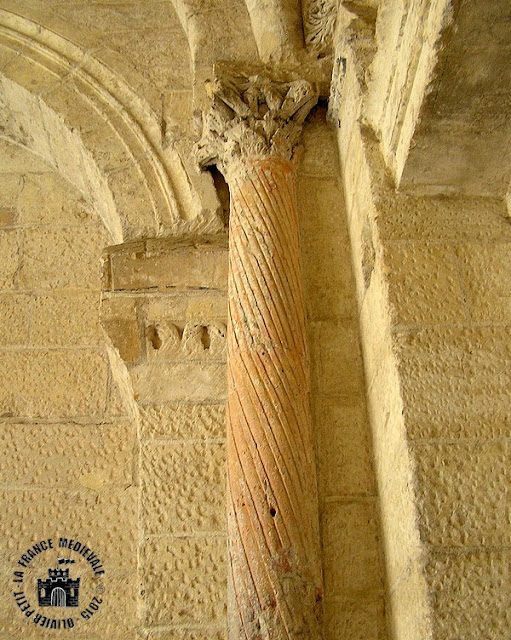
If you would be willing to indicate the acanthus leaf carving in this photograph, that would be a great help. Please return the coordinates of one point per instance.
(319, 20)
(323, 18)
(253, 118)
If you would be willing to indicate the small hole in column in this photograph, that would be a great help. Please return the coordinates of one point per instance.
(273, 512)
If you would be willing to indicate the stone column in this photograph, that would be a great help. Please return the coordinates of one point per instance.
(275, 581)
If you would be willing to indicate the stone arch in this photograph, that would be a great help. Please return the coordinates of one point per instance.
(85, 120)
(29, 123)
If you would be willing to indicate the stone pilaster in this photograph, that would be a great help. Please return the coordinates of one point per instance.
(275, 582)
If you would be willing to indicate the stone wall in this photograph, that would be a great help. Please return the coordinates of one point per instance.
(113, 311)
(349, 503)
(434, 315)
(164, 309)
(122, 438)
(66, 441)
(451, 331)
(407, 47)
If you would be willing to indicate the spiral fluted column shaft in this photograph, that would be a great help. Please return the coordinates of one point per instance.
(275, 585)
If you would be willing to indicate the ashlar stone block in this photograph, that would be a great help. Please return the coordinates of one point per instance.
(10, 189)
(185, 581)
(197, 307)
(115, 619)
(29, 74)
(335, 351)
(55, 383)
(357, 618)
(66, 455)
(15, 315)
(183, 488)
(460, 422)
(320, 153)
(183, 422)
(105, 521)
(159, 265)
(120, 319)
(16, 161)
(160, 382)
(442, 218)
(424, 282)
(8, 216)
(352, 550)
(470, 594)
(9, 257)
(59, 258)
(66, 318)
(211, 633)
(62, 206)
(455, 370)
(344, 451)
(463, 491)
(327, 271)
(486, 278)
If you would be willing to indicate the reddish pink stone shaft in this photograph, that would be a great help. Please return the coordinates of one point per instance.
(275, 583)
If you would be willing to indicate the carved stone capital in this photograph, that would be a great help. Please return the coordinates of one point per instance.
(253, 118)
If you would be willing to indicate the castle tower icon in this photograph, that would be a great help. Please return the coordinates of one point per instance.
(58, 590)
